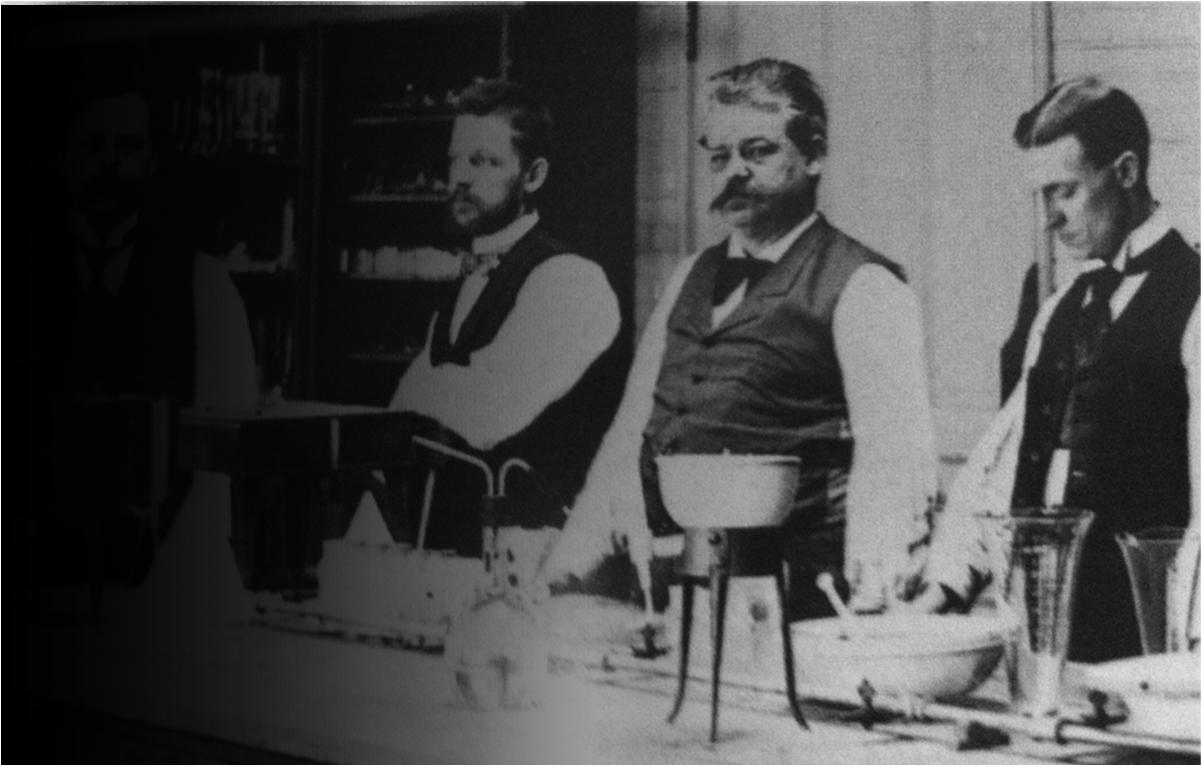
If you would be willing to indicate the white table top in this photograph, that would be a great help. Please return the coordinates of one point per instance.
(340, 700)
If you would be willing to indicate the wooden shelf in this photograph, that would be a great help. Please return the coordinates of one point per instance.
(397, 198)
(416, 118)
(278, 275)
(398, 279)
(383, 357)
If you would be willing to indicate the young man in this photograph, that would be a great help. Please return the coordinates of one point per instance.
(788, 337)
(522, 364)
(1102, 416)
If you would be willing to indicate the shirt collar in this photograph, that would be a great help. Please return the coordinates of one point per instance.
(111, 270)
(775, 251)
(501, 241)
(1142, 238)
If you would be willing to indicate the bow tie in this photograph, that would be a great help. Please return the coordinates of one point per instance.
(1106, 280)
(470, 263)
(734, 272)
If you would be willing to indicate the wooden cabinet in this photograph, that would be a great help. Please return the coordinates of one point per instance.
(385, 255)
(229, 129)
(306, 147)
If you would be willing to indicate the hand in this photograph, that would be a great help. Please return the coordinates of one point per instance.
(867, 587)
(932, 599)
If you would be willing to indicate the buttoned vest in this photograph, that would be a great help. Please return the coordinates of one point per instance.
(1127, 429)
(766, 380)
(1126, 432)
(560, 443)
(141, 341)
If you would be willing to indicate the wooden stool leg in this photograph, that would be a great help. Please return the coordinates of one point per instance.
(686, 629)
(719, 580)
(782, 591)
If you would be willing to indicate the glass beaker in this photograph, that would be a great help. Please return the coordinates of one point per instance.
(1151, 558)
(1034, 553)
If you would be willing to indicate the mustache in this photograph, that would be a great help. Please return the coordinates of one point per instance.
(109, 185)
(462, 195)
(735, 189)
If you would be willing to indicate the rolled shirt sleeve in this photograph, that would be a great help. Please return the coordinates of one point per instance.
(878, 340)
(565, 316)
(611, 504)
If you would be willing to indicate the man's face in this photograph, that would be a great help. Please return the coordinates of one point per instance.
(761, 183)
(1085, 205)
(109, 161)
(486, 174)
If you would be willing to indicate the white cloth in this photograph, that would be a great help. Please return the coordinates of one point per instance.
(565, 316)
(878, 341)
(986, 482)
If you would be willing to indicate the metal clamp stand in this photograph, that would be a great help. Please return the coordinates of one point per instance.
(713, 556)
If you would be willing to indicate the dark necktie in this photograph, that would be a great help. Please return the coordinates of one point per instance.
(734, 272)
(1094, 318)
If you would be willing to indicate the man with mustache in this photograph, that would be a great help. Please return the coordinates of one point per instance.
(522, 364)
(122, 303)
(1104, 417)
(788, 337)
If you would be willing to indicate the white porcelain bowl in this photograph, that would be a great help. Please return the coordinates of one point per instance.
(1160, 691)
(728, 490)
(929, 656)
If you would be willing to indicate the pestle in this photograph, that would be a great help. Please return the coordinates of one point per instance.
(851, 626)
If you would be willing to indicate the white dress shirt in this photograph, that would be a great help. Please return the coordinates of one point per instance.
(565, 316)
(878, 341)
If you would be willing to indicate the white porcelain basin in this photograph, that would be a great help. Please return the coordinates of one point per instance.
(929, 656)
(727, 490)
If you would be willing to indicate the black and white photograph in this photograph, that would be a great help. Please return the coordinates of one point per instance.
(604, 382)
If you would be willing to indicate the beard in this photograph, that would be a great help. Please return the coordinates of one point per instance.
(108, 201)
(468, 216)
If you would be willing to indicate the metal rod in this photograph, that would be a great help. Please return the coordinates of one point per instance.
(1078, 732)
(719, 580)
(513, 462)
(427, 499)
(686, 630)
(489, 482)
(782, 596)
(1048, 728)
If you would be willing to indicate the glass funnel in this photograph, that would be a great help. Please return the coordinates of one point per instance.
(1151, 556)
(1034, 554)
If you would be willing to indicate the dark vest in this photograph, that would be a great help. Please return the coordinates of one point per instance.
(1127, 432)
(141, 341)
(766, 380)
(562, 440)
